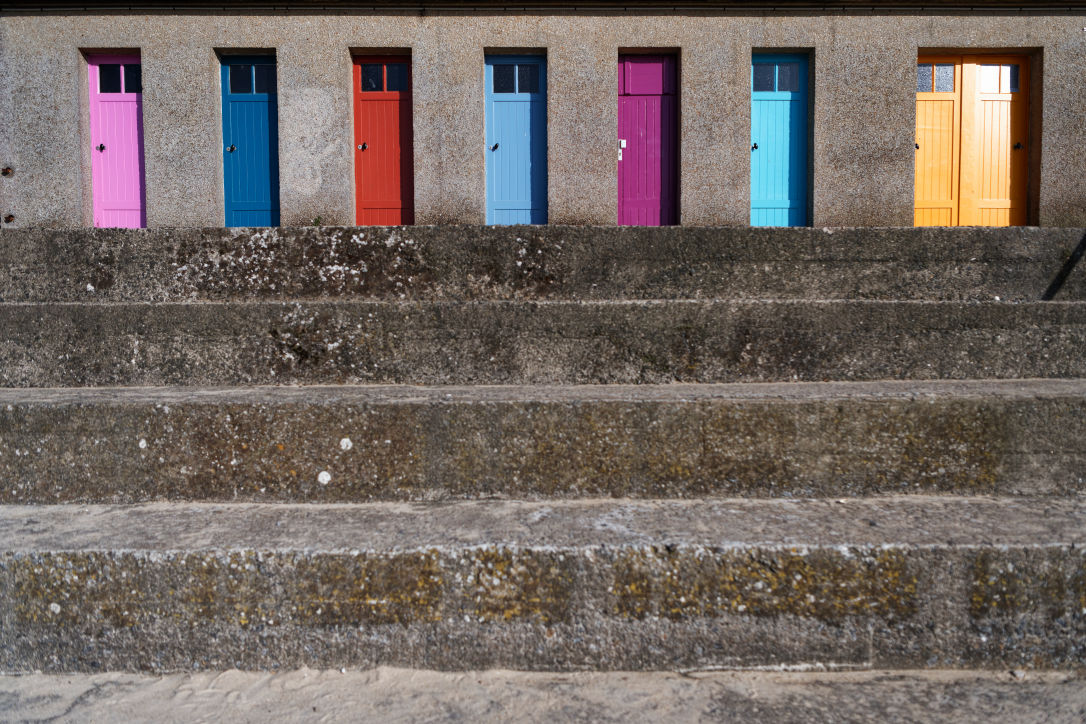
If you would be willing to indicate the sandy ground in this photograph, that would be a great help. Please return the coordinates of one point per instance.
(399, 695)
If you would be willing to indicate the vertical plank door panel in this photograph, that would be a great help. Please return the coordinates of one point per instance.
(778, 153)
(938, 140)
(648, 165)
(383, 148)
(995, 141)
(250, 122)
(116, 130)
(516, 139)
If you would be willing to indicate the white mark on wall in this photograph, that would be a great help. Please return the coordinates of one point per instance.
(324, 477)
(143, 444)
(304, 178)
(345, 444)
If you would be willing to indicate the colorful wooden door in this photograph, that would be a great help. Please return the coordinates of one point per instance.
(384, 155)
(250, 134)
(116, 131)
(648, 140)
(778, 146)
(516, 139)
(972, 140)
(938, 122)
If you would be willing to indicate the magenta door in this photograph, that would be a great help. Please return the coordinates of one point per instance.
(116, 130)
(648, 140)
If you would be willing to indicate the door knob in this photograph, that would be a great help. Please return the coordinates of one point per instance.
(101, 147)
(1017, 146)
(362, 147)
(231, 148)
(494, 147)
(754, 147)
(917, 146)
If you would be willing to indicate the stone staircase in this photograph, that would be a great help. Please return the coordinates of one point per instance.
(541, 448)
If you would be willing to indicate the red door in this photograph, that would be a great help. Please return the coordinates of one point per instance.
(384, 157)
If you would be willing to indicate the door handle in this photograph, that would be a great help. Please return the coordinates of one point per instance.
(917, 146)
(754, 147)
(494, 147)
(101, 147)
(362, 147)
(231, 148)
(1017, 146)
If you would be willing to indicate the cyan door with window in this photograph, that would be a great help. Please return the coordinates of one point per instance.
(516, 139)
(778, 145)
(250, 135)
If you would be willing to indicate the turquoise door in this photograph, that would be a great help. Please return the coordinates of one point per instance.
(778, 140)
(516, 139)
(250, 136)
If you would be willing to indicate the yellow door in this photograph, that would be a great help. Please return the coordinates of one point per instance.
(995, 142)
(938, 121)
(972, 138)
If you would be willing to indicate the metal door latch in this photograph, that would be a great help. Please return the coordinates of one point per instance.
(754, 147)
(101, 147)
(621, 145)
(362, 147)
(231, 148)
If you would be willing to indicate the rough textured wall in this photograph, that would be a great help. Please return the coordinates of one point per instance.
(863, 122)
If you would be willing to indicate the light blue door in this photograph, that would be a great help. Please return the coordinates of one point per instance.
(250, 137)
(516, 139)
(778, 145)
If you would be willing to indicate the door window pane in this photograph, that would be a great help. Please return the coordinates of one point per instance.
(265, 79)
(396, 77)
(988, 80)
(504, 79)
(944, 77)
(763, 76)
(371, 77)
(133, 81)
(1008, 81)
(923, 77)
(528, 78)
(109, 78)
(788, 77)
(241, 79)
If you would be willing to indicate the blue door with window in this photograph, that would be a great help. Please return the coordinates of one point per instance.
(516, 139)
(250, 135)
(778, 145)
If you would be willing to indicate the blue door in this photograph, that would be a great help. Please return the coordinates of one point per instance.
(250, 136)
(516, 139)
(778, 144)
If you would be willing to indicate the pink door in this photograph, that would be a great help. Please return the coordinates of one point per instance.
(648, 140)
(116, 130)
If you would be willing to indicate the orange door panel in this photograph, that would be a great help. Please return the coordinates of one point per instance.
(938, 120)
(384, 155)
(995, 141)
(972, 140)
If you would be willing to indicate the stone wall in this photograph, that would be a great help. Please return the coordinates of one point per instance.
(863, 108)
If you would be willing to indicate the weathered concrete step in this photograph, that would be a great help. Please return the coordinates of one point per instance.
(904, 582)
(518, 342)
(534, 262)
(499, 697)
(355, 444)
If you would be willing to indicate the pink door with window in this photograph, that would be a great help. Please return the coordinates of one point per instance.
(648, 140)
(116, 130)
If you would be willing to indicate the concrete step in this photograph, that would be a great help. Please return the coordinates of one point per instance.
(518, 342)
(408, 695)
(910, 582)
(534, 262)
(357, 444)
